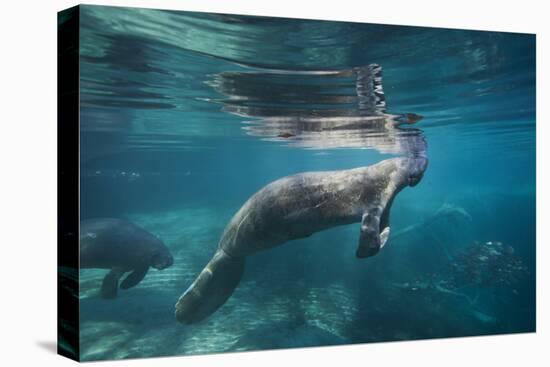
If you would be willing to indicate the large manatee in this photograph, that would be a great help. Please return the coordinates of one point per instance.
(121, 246)
(295, 207)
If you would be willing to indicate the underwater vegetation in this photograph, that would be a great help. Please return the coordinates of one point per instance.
(488, 264)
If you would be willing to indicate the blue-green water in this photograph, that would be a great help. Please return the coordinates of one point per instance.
(184, 116)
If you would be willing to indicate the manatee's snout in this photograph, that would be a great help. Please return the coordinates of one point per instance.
(414, 169)
(162, 260)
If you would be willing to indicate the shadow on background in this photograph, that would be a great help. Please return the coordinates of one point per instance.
(48, 345)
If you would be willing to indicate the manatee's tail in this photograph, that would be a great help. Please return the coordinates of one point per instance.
(211, 289)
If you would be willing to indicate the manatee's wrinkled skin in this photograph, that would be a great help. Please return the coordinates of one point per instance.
(119, 245)
(295, 207)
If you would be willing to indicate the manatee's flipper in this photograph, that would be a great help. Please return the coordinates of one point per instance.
(374, 232)
(384, 235)
(211, 289)
(109, 287)
(134, 277)
(369, 237)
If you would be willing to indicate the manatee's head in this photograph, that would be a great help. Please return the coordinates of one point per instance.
(412, 169)
(375, 221)
(162, 258)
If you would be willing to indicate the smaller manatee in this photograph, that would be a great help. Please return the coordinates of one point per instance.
(121, 246)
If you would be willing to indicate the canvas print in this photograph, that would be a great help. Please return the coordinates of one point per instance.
(240, 183)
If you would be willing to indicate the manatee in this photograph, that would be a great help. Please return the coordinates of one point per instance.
(295, 207)
(122, 247)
